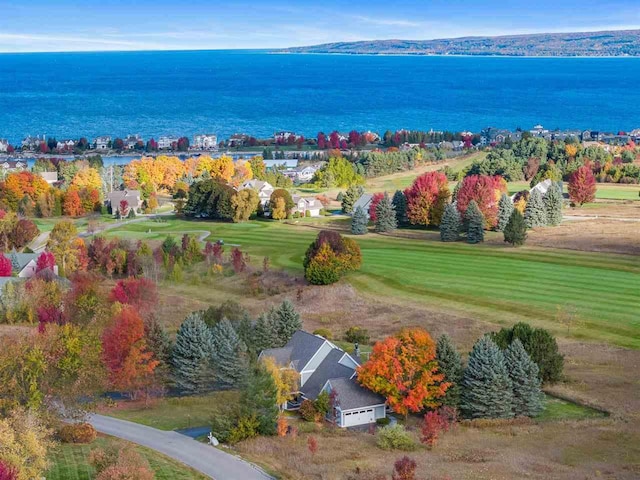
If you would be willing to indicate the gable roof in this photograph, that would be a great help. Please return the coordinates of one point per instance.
(350, 394)
(117, 196)
(363, 201)
(329, 368)
(298, 351)
(21, 260)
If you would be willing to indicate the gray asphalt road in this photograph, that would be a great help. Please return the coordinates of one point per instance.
(204, 458)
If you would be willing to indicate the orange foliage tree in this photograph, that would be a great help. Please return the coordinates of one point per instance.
(426, 198)
(242, 173)
(403, 368)
(153, 174)
(17, 185)
(130, 363)
(486, 191)
(582, 186)
(222, 168)
(73, 203)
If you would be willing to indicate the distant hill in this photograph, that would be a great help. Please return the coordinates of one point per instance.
(591, 44)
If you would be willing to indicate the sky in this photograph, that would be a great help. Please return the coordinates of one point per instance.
(92, 25)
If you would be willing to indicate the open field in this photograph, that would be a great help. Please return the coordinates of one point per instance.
(497, 283)
(604, 191)
(70, 462)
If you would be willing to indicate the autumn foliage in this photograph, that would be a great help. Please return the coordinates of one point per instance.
(404, 469)
(46, 261)
(329, 257)
(5, 266)
(426, 198)
(403, 368)
(582, 186)
(375, 200)
(486, 191)
(139, 293)
(7, 472)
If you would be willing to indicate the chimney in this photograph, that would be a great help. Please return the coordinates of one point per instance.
(356, 350)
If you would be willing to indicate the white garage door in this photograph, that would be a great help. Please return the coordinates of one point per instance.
(361, 417)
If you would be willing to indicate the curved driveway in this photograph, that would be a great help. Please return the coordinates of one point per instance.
(206, 459)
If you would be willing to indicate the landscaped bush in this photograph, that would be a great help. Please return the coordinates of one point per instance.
(246, 427)
(357, 335)
(395, 437)
(77, 433)
(384, 421)
(329, 257)
(324, 332)
(308, 411)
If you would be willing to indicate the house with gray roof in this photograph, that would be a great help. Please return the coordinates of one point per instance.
(264, 189)
(323, 366)
(132, 197)
(364, 201)
(24, 265)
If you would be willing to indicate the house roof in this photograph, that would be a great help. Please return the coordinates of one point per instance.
(49, 176)
(117, 196)
(298, 351)
(21, 260)
(363, 201)
(329, 368)
(257, 184)
(282, 356)
(351, 395)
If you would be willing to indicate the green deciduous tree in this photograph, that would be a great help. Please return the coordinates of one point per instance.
(515, 232)
(527, 394)
(535, 214)
(474, 221)
(385, 216)
(359, 222)
(193, 367)
(486, 386)
(229, 355)
(451, 224)
(451, 366)
(553, 205)
(505, 207)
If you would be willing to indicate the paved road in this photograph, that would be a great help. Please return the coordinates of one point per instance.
(204, 458)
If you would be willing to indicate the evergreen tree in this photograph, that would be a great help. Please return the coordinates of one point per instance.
(350, 197)
(244, 329)
(451, 224)
(193, 370)
(260, 398)
(475, 223)
(158, 341)
(451, 366)
(385, 215)
(527, 394)
(456, 189)
(505, 208)
(486, 386)
(400, 204)
(264, 334)
(515, 232)
(535, 213)
(359, 222)
(229, 355)
(285, 320)
(553, 205)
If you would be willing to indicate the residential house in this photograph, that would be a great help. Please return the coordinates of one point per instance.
(323, 366)
(635, 134)
(205, 141)
(24, 264)
(166, 142)
(131, 141)
(302, 174)
(8, 166)
(364, 201)
(283, 137)
(264, 189)
(132, 197)
(539, 131)
(238, 140)
(4, 145)
(50, 177)
(66, 145)
(307, 204)
(102, 142)
(32, 143)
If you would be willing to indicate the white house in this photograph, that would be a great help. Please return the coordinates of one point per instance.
(13, 165)
(205, 141)
(264, 189)
(24, 264)
(307, 204)
(50, 177)
(323, 366)
(165, 142)
(102, 142)
(131, 141)
(132, 197)
(66, 145)
(4, 145)
(306, 173)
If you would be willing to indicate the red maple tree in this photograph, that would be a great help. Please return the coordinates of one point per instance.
(426, 198)
(140, 293)
(375, 200)
(5, 266)
(486, 191)
(582, 186)
(46, 261)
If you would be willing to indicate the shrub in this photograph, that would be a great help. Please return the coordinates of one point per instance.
(312, 444)
(404, 469)
(384, 421)
(324, 333)
(322, 403)
(357, 335)
(329, 257)
(224, 419)
(246, 427)
(308, 411)
(395, 437)
(8, 472)
(77, 433)
(282, 426)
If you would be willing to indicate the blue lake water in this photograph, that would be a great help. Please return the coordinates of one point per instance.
(223, 92)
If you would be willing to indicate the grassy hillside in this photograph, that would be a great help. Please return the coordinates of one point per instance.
(496, 283)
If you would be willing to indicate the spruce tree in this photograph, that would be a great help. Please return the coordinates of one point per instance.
(505, 208)
(553, 205)
(450, 364)
(286, 320)
(193, 370)
(385, 215)
(350, 197)
(260, 398)
(527, 393)
(359, 222)
(264, 334)
(158, 341)
(486, 386)
(515, 232)
(244, 329)
(475, 223)
(400, 204)
(451, 224)
(535, 214)
(229, 356)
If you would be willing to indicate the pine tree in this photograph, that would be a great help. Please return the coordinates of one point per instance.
(260, 398)
(359, 222)
(400, 204)
(244, 329)
(286, 320)
(527, 393)
(193, 370)
(229, 356)
(350, 197)
(475, 223)
(451, 365)
(486, 386)
(385, 215)
(535, 214)
(451, 224)
(505, 208)
(553, 205)
(515, 232)
(264, 334)
(158, 341)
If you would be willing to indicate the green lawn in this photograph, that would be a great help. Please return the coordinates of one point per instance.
(604, 191)
(176, 413)
(70, 462)
(500, 284)
(559, 409)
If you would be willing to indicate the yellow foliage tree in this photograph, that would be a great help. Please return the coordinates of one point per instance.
(571, 150)
(242, 173)
(279, 212)
(286, 380)
(222, 168)
(87, 178)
